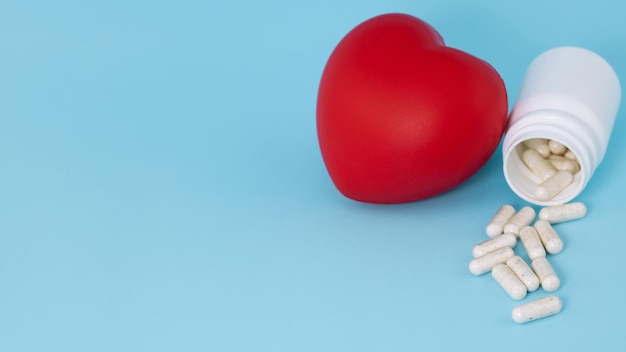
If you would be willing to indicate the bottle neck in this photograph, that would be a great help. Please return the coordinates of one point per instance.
(556, 125)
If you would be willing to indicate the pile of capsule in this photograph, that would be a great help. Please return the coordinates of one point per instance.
(553, 164)
(539, 240)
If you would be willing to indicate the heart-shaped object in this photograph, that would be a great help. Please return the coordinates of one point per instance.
(402, 117)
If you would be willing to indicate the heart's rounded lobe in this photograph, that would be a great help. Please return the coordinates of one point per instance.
(402, 117)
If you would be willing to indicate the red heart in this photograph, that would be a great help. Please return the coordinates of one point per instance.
(402, 117)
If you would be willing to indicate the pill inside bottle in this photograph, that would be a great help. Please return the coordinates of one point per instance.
(541, 178)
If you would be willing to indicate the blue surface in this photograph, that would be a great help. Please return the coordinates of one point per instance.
(162, 188)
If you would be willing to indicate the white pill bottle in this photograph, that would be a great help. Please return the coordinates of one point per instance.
(570, 95)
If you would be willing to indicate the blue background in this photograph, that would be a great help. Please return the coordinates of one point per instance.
(161, 187)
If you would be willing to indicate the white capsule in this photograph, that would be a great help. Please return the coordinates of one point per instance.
(540, 145)
(537, 309)
(570, 155)
(537, 164)
(531, 242)
(509, 281)
(564, 212)
(546, 274)
(556, 147)
(523, 272)
(485, 263)
(522, 218)
(496, 242)
(550, 239)
(554, 185)
(496, 226)
(561, 163)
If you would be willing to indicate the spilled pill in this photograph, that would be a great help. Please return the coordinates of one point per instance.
(564, 212)
(485, 263)
(537, 309)
(500, 218)
(522, 218)
(512, 272)
(490, 245)
(509, 281)
(526, 275)
(550, 239)
(546, 274)
(531, 242)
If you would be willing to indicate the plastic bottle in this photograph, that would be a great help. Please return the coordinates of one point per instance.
(570, 95)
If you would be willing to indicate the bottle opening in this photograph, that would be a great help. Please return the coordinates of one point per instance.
(544, 171)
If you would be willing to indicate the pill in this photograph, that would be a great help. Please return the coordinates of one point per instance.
(554, 185)
(538, 165)
(540, 145)
(531, 242)
(546, 274)
(570, 155)
(564, 212)
(561, 163)
(537, 309)
(496, 242)
(485, 263)
(523, 272)
(550, 239)
(556, 147)
(501, 217)
(509, 281)
(522, 218)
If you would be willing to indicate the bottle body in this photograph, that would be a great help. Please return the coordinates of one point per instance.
(570, 96)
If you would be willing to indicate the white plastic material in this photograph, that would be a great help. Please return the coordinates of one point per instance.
(570, 95)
